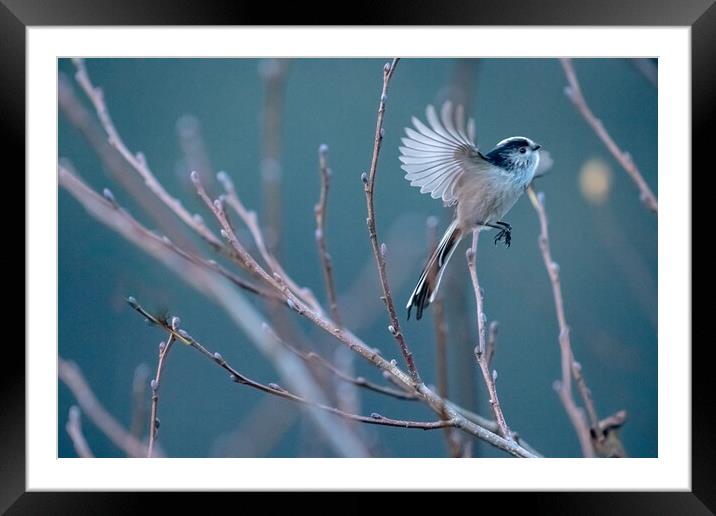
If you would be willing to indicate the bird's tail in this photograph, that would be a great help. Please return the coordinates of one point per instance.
(427, 287)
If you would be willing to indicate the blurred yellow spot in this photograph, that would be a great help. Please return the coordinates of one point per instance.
(595, 180)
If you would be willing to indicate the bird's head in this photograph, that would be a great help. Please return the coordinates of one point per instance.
(515, 153)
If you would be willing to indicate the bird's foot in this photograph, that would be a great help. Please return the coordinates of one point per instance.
(506, 235)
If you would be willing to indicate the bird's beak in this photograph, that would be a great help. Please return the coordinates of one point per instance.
(536, 146)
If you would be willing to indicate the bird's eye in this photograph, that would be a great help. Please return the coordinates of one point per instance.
(523, 150)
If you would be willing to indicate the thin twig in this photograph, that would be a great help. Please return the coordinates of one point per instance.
(574, 92)
(220, 291)
(70, 374)
(115, 165)
(74, 430)
(347, 395)
(164, 348)
(200, 278)
(251, 221)
(277, 390)
(490, 377)
(137, 161)
(563, 387)
(359, 381)
(379, 251)
(320, 210)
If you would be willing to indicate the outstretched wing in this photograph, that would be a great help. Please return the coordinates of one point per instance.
(435, 158)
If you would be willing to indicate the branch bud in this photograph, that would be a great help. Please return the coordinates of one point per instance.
(107, 193)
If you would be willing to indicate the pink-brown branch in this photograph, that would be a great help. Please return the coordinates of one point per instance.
(74, 430)
(380, 250)
(563, 386)
(277, 390)
(164, 348)
(481, 354)
(70, 374)
(195, 274)
(320, 211)
(574, 92)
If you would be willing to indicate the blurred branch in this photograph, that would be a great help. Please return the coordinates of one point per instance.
(250, 219)
(647, 68)
(137, 161)
(481, 356)
(380, 251)
(275, 389)
(70, 374)
(113, 162)
(139, 398)
(164, 348)
(243, 315)
(216, 288)
(192, 145)
(454, 444)
(574, 92)
(273, 74)
(259, 431)
(201, 275)
(74, 429)
(589, 434)
(313, 357)
(347, 395)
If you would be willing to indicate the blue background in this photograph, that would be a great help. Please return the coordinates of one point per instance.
(607, 251)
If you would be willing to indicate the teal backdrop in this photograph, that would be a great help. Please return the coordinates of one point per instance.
(603, 238)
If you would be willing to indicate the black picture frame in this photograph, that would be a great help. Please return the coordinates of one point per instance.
(17, 15)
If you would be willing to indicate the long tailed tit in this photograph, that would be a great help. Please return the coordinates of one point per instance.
(444, 161)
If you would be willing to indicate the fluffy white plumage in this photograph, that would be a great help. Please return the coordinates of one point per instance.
(435, 158)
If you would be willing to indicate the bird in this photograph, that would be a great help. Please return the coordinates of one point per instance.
(442, 159)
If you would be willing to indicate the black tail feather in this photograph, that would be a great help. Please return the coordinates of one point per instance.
(429, 280)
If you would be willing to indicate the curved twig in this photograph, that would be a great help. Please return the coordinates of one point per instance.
(574, 92)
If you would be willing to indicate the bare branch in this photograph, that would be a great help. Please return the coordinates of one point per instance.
(277, 390)
(574, 92)
(137, 161)
(70, 374)
(250, 219)
(379, 251)
(74, 429)
(164, 348)
(320, 210)
(243, 314)
(359, 381)
(219, 290)
(563, 387)
(647, 68)
(114, 164)
(480, 350)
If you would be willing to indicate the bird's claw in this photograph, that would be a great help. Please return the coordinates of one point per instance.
(506, 235)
